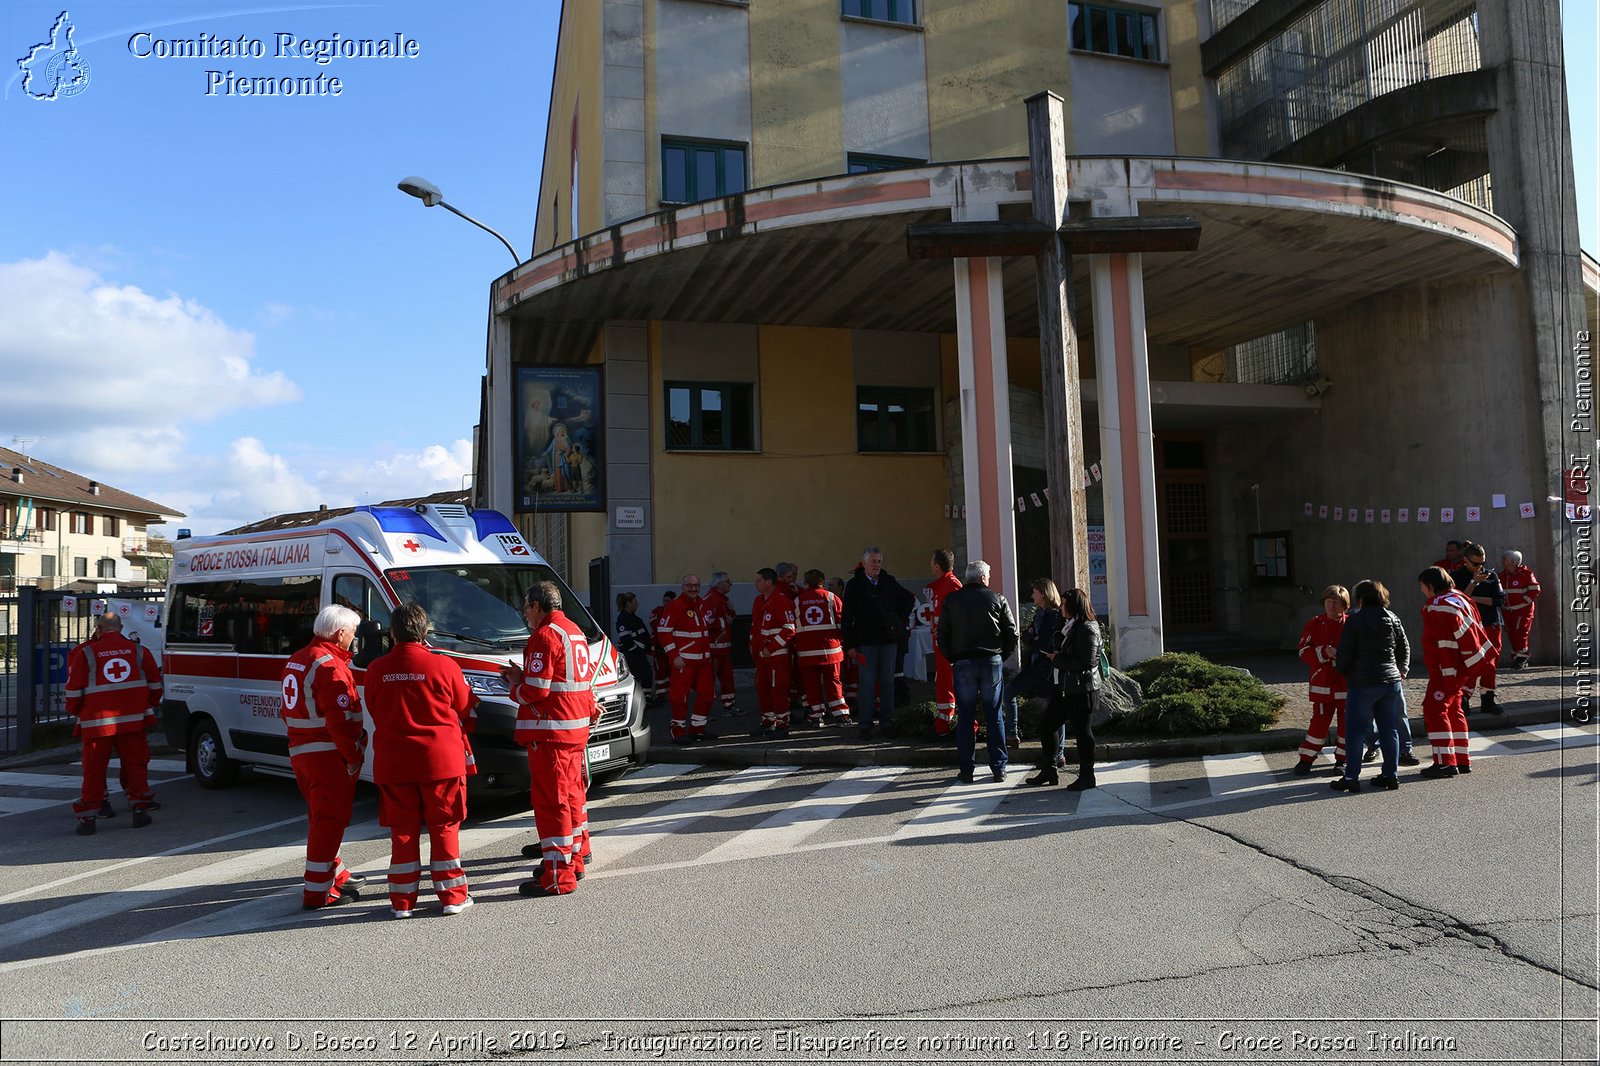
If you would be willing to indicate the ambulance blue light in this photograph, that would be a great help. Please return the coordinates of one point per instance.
(491, 522)
(403, 520)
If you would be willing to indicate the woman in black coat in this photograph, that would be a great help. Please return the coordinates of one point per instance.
(1040, 637)
(633, 642)
(1373, 657)
(1077, 691)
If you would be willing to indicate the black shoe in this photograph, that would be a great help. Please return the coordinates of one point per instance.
(764, 733)
(1370, 754)
(1047, 776)
(535, 888)
(346, 895)
(1083, 784)
(1338, 766)
(1303, 767)
(141, 819)
(85, 827)
(682, 741)
(1387, 784)
(532, 851)
(701, 738)
(150, 805)
(1490, 705)
(1463, 768)
(965, 777)
(781, 733)
(1408, 759)
(1437, 772)
(999, 775)
(1345, 784)
(354, 881)
(106, 810)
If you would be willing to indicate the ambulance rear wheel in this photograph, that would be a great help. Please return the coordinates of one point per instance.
(212, 767)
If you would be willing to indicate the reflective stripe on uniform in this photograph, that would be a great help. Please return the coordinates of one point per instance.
(555, 723)
(314, 746)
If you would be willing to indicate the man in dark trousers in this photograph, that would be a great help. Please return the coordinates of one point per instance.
(1482, 586)
(874, 624)
(978, 632)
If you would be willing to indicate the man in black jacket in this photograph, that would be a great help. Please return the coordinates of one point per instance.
(1482, 584)
(876, 607)
(978, 632)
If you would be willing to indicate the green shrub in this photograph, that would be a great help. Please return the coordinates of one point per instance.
(1186, 695)
(914, 719)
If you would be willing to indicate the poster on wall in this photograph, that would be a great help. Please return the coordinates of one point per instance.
(558, 429)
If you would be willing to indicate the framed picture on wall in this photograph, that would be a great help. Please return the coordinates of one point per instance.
(560, 465)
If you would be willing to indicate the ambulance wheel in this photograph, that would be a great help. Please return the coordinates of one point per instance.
(212, 768)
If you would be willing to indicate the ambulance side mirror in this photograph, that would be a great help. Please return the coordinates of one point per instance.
(374, 640)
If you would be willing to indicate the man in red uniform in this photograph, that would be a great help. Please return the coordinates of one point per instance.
(662, 664)
(1452, 557)
(321, 712)
(1454, 646)
(554, 693)
(771, 646)
(113, 687)
(819, 650)
(944, 678)
(789, 585)
(419, 702)
(1521, 588)
(719, 612)
(685, 634)
(1319, 643)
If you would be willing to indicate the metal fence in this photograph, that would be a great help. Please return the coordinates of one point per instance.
(1288, 357)
(1333, 59)
(38, 627)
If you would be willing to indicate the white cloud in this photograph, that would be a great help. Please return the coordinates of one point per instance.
(110, 374)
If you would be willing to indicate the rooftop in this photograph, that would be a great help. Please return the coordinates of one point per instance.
(46, 482)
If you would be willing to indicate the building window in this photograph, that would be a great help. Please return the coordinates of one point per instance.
(81, 523)
(894, 420)
(47, 566)
(901, 11)
(1271, 558)
(861, 163)
(1114, 31)
(692, 171)
(106, 568)
(80, 566)
(111, 525)
(706, 416)
(47, 518)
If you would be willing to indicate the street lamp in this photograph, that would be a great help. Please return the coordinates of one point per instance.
(429, 194)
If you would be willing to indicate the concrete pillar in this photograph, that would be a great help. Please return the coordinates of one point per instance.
(496, 437)
(986, 422)
(1127, 457)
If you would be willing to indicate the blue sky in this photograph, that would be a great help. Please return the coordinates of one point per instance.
(224, 304)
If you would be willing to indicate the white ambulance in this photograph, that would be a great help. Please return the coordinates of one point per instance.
(238, 606)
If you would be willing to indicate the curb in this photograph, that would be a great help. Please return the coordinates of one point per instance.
(71, 753)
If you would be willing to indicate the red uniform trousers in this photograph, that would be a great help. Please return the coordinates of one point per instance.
(1519, 627)
(661, 667)
(1325, 711)
(405, 808)
(722, 667)
(330, 792)
(944, 694)
(1488, 666)
(773, 684)
(555, 784)
(824, 693)
(1446, 723)
(133, 753)
(690, 719)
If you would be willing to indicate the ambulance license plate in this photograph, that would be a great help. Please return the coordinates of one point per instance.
(600, 753)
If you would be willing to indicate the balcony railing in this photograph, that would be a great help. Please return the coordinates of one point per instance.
(11, 539)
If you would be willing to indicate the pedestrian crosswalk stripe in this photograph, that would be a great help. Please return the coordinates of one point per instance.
(636, 835)
(791, 826)
(22, 805)
(961, 808)
(1231, 775)
(1570, 736)
(1117, 785)
(52, 781)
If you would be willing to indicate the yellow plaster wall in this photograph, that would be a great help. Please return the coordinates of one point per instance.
(984, 58)
(796, 106)
(1191, 132)
(577, 83)
(808, 496)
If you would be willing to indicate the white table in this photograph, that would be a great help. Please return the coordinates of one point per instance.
(919, 645)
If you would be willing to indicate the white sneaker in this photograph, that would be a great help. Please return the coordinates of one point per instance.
(456, 908)
(398, 913)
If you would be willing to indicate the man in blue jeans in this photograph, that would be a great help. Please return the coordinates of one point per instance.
(872, 629)
(978, 632)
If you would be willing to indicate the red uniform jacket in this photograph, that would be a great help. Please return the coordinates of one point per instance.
(657, 620)
(1454, 643)
(113, 686)
(1521, 589)
(1319, 643)
(719, 615)
(816, 615)
(686, 629)
(771, 625)
(419, 701)
(941, 587)
(321, 708)
(555, 701)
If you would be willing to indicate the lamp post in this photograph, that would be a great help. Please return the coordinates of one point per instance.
(429, 194)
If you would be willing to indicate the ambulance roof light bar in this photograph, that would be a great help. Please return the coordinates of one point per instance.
(429, 194)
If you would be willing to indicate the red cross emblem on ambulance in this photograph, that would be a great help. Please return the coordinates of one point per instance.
(413, 546)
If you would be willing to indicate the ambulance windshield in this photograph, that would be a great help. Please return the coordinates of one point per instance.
(478, 606)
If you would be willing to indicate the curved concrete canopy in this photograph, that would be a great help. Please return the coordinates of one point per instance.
(1279, 245)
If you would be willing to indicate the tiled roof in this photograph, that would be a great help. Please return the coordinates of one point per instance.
(48, 483)
(311, 518)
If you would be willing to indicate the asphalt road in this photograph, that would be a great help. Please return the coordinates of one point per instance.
(1212, 909)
